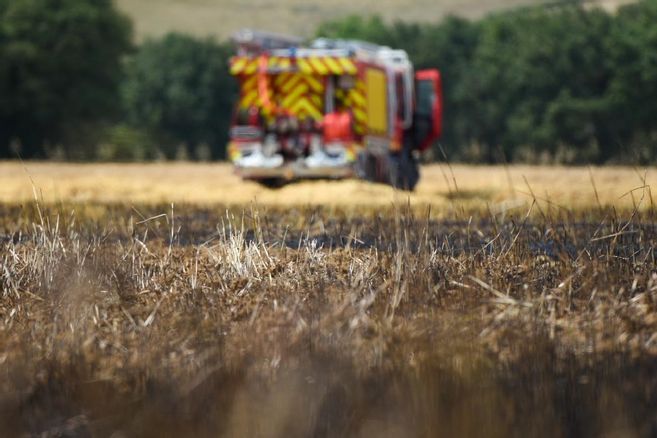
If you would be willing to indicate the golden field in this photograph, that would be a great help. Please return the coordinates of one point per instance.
(220, 18)
(444, 188)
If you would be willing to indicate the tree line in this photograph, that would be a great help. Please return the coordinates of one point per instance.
(74, 86)
(562, 83)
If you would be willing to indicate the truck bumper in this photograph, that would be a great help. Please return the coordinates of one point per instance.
(292, 171)
(333, 161)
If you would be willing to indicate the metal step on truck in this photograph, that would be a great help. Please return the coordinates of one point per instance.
(332, 109)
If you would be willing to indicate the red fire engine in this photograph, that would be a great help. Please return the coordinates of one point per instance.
(334, 109)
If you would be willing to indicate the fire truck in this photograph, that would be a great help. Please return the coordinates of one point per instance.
(331, 109)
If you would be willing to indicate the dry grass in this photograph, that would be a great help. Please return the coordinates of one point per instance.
(310, 321)
(176, 300)
(493, 188)
(223, 17)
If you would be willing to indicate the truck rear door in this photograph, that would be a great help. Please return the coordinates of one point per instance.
(427, 118)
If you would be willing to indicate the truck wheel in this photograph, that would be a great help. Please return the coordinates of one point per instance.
(271, 183)
(367, 167)
(404, 172)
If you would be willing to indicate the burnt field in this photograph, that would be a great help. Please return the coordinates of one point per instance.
(316, 321)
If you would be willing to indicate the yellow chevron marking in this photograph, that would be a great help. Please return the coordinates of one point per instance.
(237, 66)
(316, 100)
(284, 63)
(348, 66)
(252, 67)
(282, 78)
(294, 95)
(314, 83)
(250, 83)
(304, 66)
(358, 98)
(303, 105)
(249, 99)
(318, 66)
(360, 115)
(273, 62)
(293, 82)
(333, 65)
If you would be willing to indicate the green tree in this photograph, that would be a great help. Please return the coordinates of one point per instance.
(534, 81)
(633, 87)
(371, 29)
(450, 46)
(60, 67)
(180, 89)
(541, 79)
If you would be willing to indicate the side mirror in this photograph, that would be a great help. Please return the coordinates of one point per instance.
(428, 115)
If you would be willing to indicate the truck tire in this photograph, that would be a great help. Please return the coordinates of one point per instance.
(366, 167)
(271, 183)
(404, 172)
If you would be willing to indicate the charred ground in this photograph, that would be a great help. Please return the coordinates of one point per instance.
(151, 321)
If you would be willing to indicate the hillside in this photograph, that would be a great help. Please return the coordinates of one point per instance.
(222, 17)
